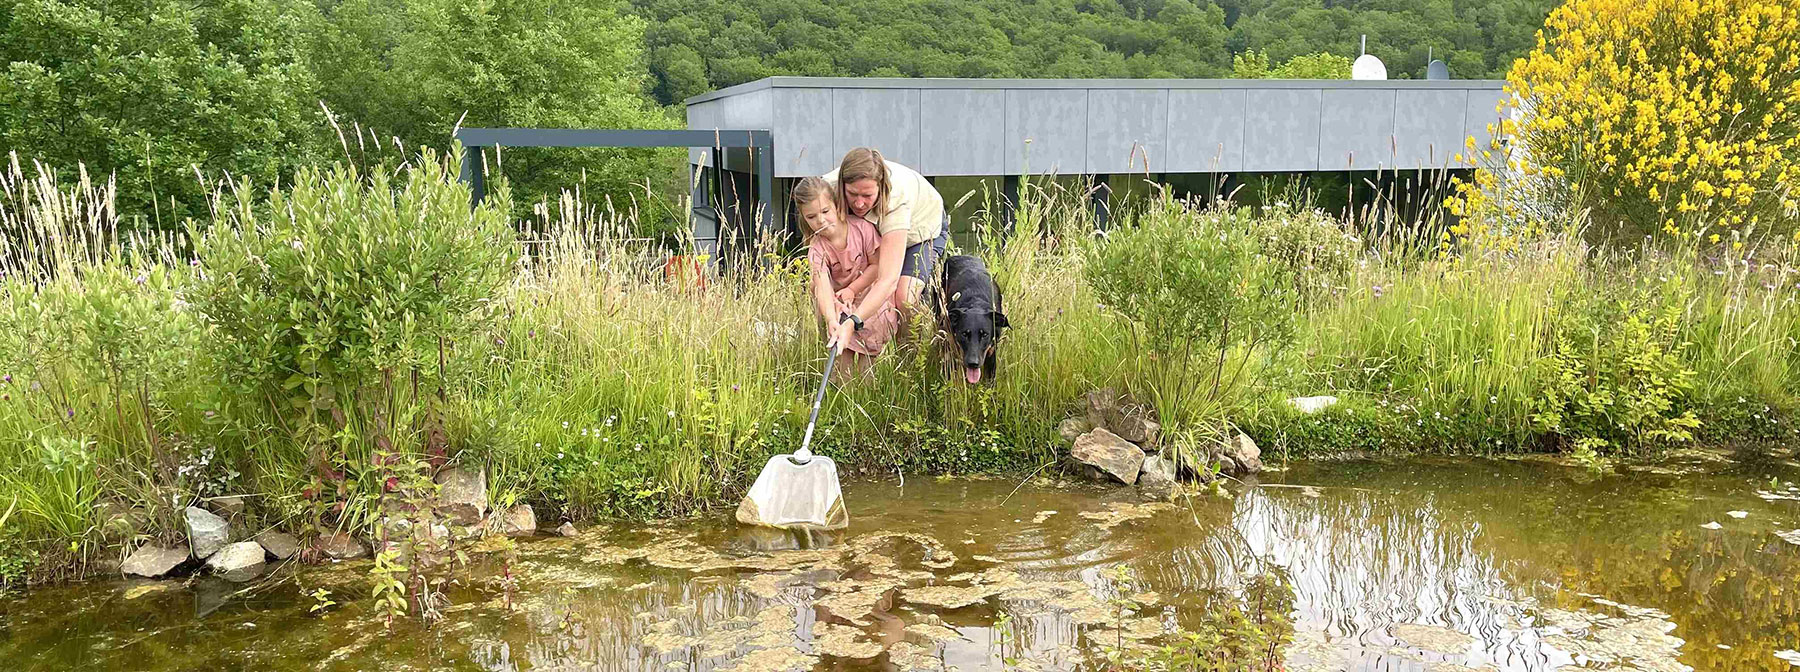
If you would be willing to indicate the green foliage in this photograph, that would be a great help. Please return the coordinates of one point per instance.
(1242, 633)
(412, 71)
(336, 308)
(149, 90)
(1614, 379)
(1315, 254)
(700, 45)
(1255, 65)
(1193, 283)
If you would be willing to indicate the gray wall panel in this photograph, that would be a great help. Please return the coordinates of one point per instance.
(964, 132)
(884, 119)
(1282, 131)
(1127, 130)
(1206, 131)
(805, 140)
(1046, 131)
(1356, 129)
(1481, 113)
(1429, 126)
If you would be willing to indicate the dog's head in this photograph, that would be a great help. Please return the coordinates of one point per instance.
(975, 331)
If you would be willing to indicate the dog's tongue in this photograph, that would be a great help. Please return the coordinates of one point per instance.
(973, 373)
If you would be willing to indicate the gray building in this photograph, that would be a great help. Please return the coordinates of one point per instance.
(1098, 127)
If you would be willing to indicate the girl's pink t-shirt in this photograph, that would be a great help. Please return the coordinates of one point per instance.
(845, 265)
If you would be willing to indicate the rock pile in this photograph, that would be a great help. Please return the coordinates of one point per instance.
(1116, 439)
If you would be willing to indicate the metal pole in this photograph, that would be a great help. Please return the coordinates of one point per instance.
(474, 174)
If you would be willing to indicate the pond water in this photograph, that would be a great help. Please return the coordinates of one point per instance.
(1402, 565)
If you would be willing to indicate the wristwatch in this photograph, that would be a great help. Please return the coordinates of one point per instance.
(856, 323)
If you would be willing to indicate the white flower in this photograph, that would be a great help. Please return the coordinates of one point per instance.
(671, 414)
(565, 424)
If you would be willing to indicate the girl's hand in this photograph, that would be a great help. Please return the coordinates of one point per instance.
(840, 334)
(846, 297)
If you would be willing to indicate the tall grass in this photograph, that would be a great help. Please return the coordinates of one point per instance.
(598, 383)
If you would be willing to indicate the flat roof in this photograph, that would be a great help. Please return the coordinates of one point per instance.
(966, 83)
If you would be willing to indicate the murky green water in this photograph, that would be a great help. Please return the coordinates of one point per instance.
(1409, 565)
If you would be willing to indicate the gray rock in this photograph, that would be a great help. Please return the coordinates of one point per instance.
(152, 561)
(1073, 428)
(1108, 410)
(1156, 480)
(207, 533)
(280, 545)
(1100, 404)
(462, 494)
(519, 520)
(1104, 450)
(1311, 405)
(228, 507)
(118, 521)
(238, 562)
(567, 529)
(1244, 452)
(341, 546)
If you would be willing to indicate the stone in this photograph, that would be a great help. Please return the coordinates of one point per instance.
(279, 545)
(207, 533)
(1107, 452)
(229, 507)
(119, 521)
(153, 561)
(519, 520)
(567, 529)
(1156, 480)
(342, 546)
(462, 494)
(238, 562)
(1073, 428)
(1311, 405)
(1244, 452)
(1106, 409)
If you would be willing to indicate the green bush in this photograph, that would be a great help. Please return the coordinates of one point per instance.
(1615, 379)
(1314, 252)
(338, 307)
(1194, 284)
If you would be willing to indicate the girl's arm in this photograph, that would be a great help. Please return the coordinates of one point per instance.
(822, 294)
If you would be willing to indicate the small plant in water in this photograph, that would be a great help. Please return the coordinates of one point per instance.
(321, 601)
(389, 591)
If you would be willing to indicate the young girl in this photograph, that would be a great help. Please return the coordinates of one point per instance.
(842, 250)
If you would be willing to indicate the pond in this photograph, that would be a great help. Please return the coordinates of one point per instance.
(1397, 565)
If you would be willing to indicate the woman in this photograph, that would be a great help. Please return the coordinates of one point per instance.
(909, 214)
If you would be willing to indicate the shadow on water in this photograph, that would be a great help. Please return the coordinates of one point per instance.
(1419, 565)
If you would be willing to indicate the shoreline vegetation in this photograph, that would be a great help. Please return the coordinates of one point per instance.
(325, 347)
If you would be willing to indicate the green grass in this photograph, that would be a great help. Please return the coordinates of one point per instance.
(594, 385)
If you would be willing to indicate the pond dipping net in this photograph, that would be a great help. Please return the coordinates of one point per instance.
(794, 496)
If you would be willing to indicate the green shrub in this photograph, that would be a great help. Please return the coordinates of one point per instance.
(339, 306)
(1615, 380)
(1315, 253)
(1194, 284)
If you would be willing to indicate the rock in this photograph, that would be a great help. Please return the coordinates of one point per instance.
(519, 520)
(152, 561)
(1109, 453)
(462, 494)
(238, 562)
(207, 533)
(1311, 405)
(1073, 428)
(1156, 480)
(228, 507)
(280, 545)
(1244, 452)
(119, 521)
(341, 546)
(567, 529)
(1106, 409)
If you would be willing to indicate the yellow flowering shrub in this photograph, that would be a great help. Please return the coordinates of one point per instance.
(1674, 115)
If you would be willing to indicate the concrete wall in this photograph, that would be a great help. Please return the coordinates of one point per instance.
(1013, 127)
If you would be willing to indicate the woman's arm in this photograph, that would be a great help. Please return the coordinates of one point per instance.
(887, 273)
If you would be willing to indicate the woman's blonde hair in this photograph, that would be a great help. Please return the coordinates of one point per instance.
(813, 188)
(860, 164)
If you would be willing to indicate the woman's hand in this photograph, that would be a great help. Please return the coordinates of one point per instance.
(840, 334)
(846, 297)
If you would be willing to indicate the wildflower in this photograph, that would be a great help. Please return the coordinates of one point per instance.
(671, 413)
(7, 378)
(734, 387)
(565, 424)
(208, 414)
(295, 243)
(1493, 400)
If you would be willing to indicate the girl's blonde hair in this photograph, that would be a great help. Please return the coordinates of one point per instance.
(813, 188)
(860, 164)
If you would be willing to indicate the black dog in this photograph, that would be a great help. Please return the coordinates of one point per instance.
(969, 314)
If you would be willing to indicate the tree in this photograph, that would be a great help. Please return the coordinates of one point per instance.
(414, 69)
(152, 91)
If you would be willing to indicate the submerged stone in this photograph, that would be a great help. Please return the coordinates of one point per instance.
(1109, 453)
(342, 546)
(238, 562)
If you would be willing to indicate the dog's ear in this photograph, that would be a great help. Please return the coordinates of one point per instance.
(1000, 320)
